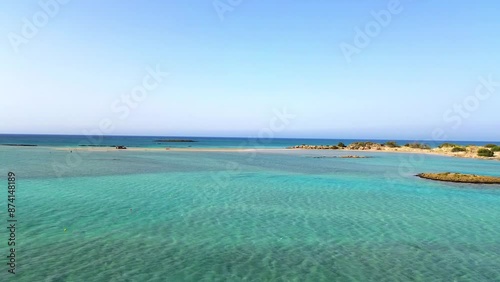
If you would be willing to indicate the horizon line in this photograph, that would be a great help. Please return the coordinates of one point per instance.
(246, 137)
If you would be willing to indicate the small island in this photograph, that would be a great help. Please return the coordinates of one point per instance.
(174, 141)
(460, 178)
(91, 145)
(19, 145)
(488, 151)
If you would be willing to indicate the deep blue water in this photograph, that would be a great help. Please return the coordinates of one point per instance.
(201, 142)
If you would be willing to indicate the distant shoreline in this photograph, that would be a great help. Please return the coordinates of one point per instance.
(246, 150)
(445, 149)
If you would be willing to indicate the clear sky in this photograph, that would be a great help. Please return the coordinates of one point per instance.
(230, 69)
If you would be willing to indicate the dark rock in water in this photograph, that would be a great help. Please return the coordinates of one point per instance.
(91, 145)
(174, 141)
(342, 157)
(324, 157)
(354, 157)
(121, 147)
(315, 147)
(19, 145)
(460, 178)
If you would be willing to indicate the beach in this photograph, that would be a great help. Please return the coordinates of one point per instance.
(472, 153)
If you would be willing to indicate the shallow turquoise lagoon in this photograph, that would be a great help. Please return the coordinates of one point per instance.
(264, 216)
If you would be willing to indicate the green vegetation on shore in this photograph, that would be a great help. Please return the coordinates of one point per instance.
(359, 145)
(417, 145)
(469, 151)
(493, 147)
(485, 153)
(448, 145)
(392, 144)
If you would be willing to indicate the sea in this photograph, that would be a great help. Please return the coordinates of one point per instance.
(248, 215)
(199, 142)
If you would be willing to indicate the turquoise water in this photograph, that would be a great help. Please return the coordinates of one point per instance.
(233, 216)
(201, 142)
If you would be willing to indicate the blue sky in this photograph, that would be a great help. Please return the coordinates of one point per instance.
(228, 76)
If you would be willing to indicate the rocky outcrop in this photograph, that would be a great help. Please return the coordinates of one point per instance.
(460, 178)
(315, 147)
(446, 149)
(364, 146)
(352, 146)
(342, 157)
(19, 145)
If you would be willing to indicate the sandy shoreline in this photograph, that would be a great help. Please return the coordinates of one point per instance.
(445, 149)
(110, 149)
(435, 151)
